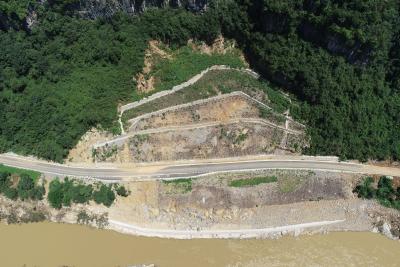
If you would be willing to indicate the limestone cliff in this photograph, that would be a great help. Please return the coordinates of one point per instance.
(106, 8)
(13, 17)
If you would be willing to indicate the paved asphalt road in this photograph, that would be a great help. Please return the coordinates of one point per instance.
(176, 171)
(61, 170)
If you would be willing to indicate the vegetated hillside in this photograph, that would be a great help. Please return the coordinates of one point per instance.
(341, 58)
(67, 74)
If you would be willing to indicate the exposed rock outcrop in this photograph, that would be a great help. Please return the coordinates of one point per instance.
(354, 52)
(92, 9)
(106, 8)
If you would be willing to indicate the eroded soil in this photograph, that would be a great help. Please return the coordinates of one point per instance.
(221, 110)
(206, 142)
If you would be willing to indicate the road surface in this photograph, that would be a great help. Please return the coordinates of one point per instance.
(187, 170)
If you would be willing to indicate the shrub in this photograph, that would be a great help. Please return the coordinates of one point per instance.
(28, 190)
(70, 191)
(364, 190)
(67, 192)
(55, 196)
(121, 191)
(184, 185)
(11, 193)
(384, 192)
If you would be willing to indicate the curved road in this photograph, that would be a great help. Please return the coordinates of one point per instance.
(188, 170)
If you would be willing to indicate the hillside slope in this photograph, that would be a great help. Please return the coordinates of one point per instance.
(64, 74)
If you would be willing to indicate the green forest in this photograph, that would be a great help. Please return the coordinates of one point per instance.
(67, 74)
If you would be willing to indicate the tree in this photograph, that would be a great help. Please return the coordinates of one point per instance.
(365, 190)
(4, 180)
(25, 187)
(104, 195)
(11, 193)
(82, 193)
(385, 189)
(55, 195)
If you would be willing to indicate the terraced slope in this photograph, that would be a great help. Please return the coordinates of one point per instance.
(224, 113)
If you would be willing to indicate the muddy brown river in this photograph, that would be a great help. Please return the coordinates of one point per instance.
(49, 244)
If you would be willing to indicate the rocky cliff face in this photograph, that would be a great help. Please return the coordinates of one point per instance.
(106, 8)
(354, 52)
(92, 9)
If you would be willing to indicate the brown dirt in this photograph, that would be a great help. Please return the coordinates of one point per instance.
(385, 163)
(145, 83)
(221, 110)
(212, 204)
(82, 152)
(142, 201)
(215, 192)
(219, 46)
(206, 142)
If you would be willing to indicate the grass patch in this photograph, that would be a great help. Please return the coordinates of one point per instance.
(290, 182)
(186, 63)
(178, 185)
(33, 174)
(272, 116)
(253, 181)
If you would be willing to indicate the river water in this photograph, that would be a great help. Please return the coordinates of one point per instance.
(49, 244)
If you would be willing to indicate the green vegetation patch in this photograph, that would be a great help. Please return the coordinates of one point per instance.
(23, 188)
(291, 181)
(70, 191)
(33, 174)
(178, 186)
(253, 181)
(186, 63)
(272, 116)
(384, 191)
(105, 152)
